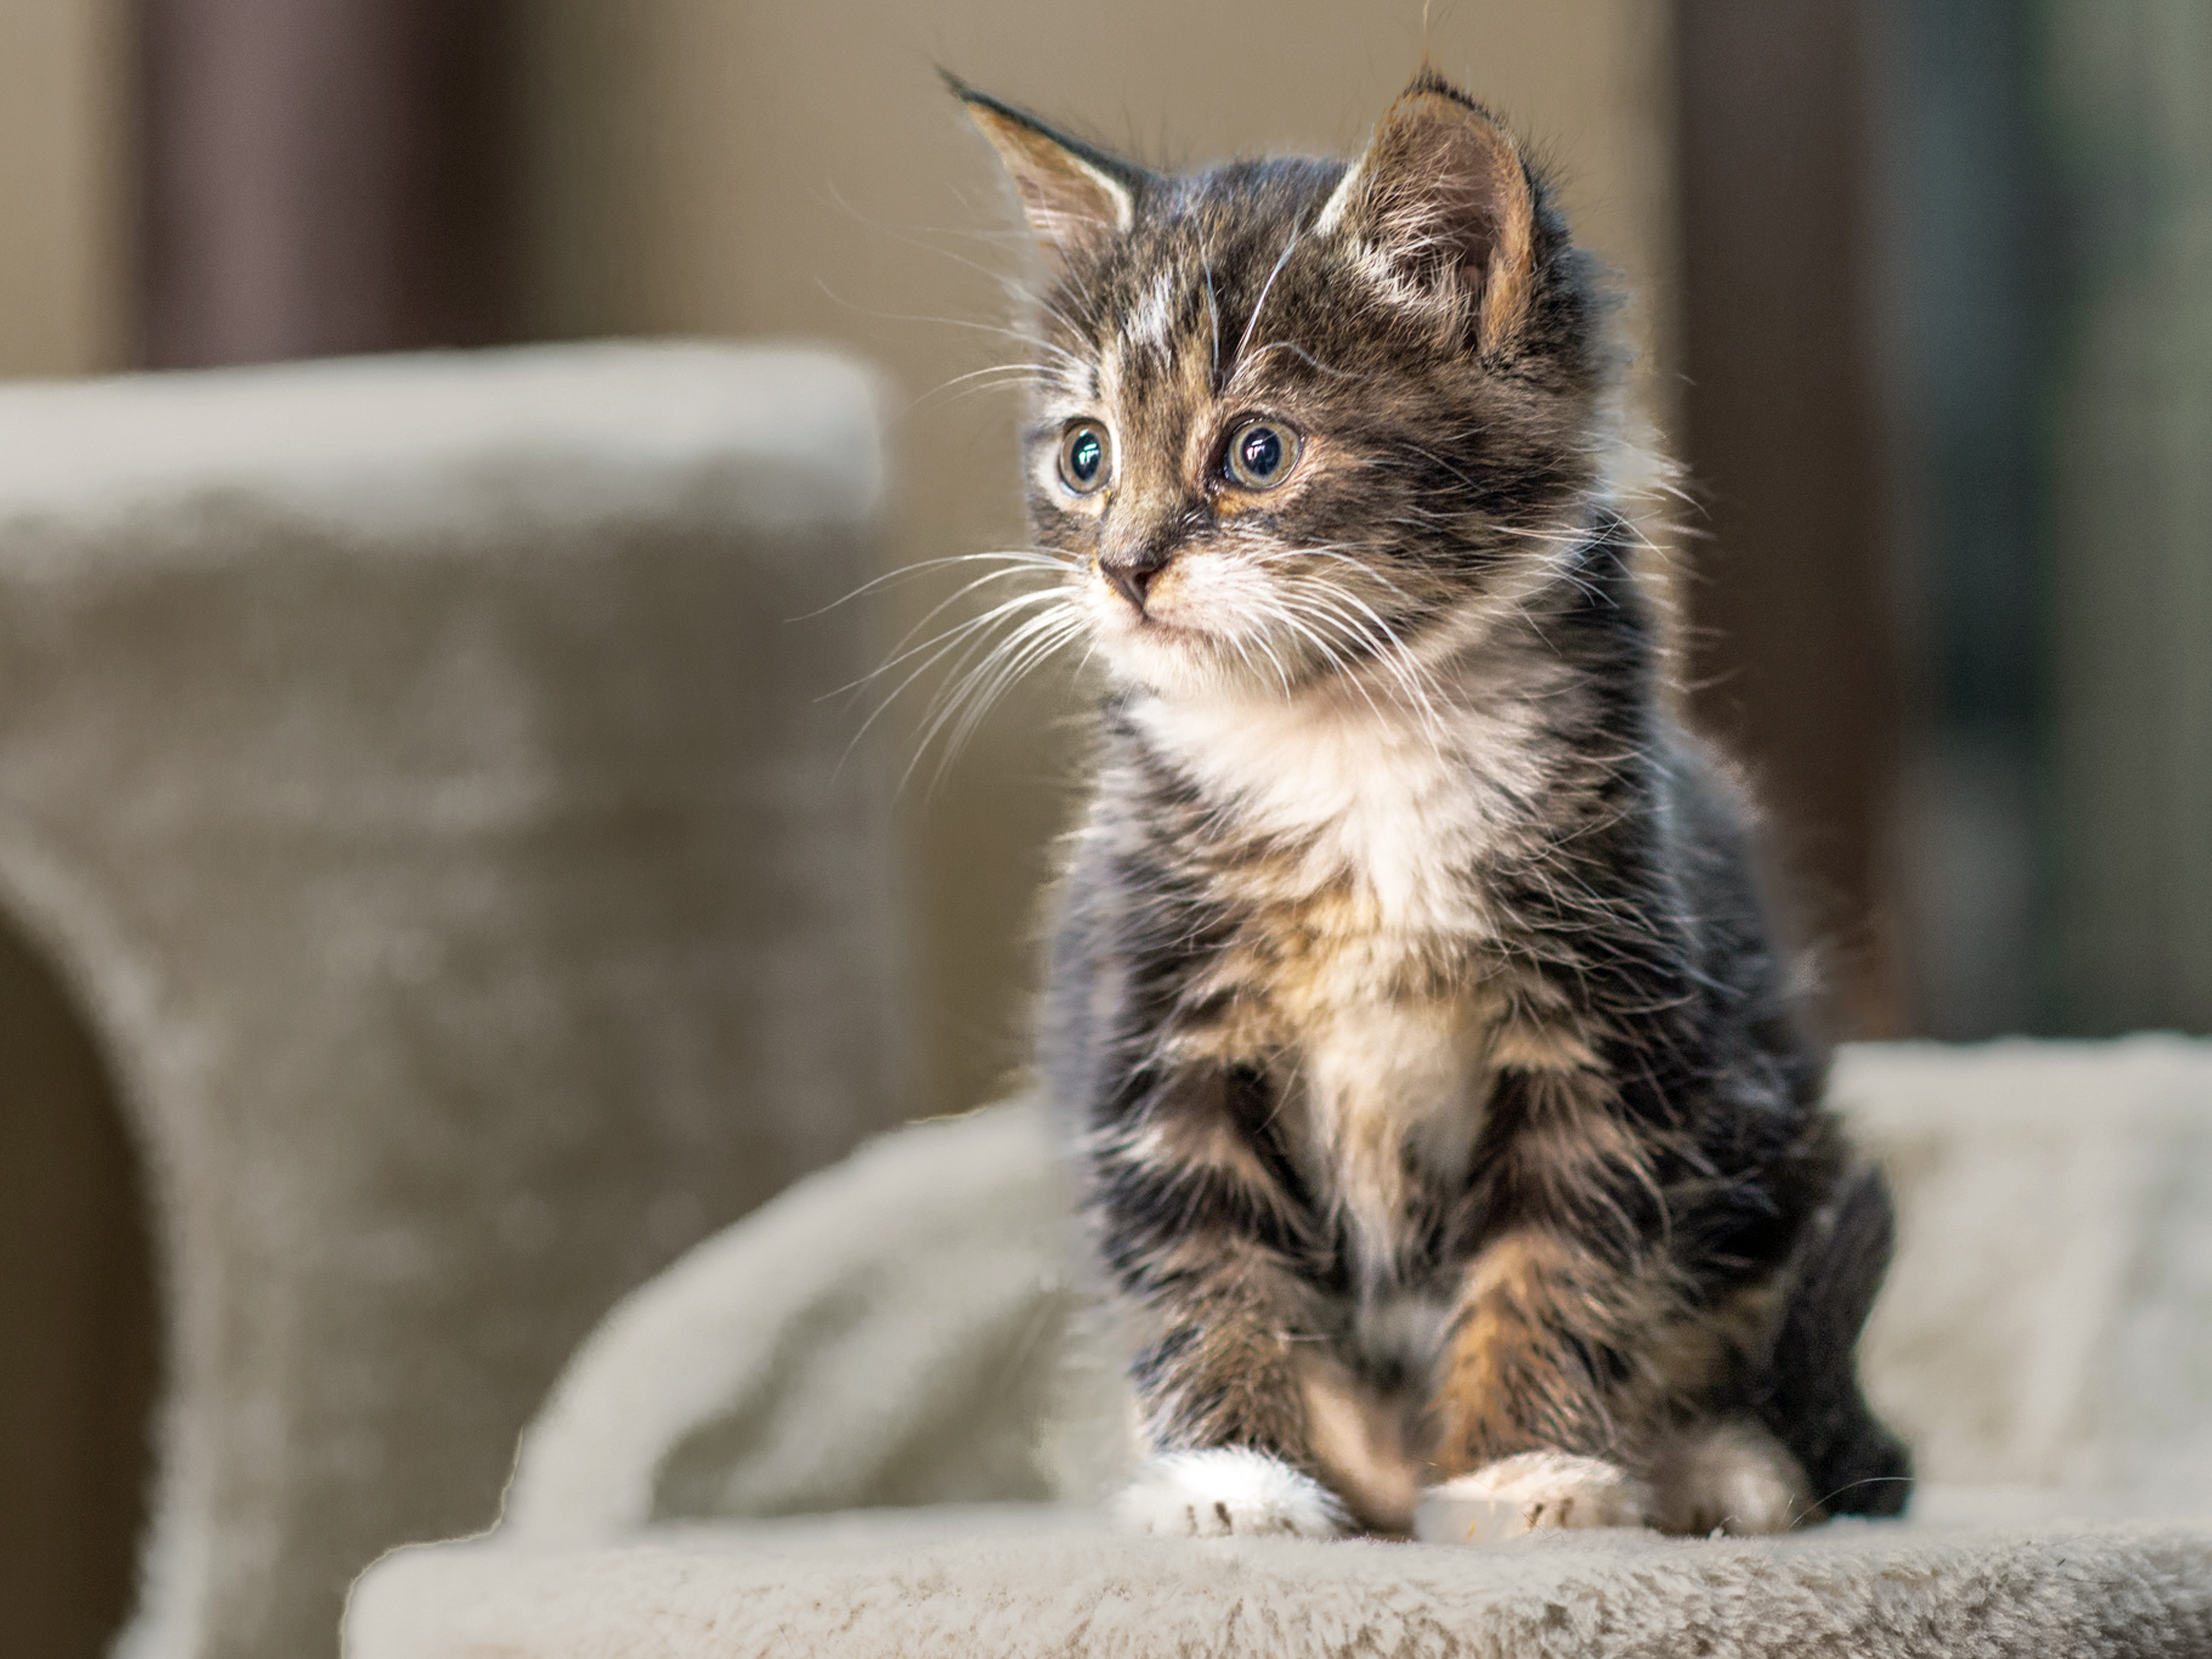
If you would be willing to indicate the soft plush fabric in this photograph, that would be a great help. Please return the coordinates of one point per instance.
(905, 1328)
(413, 769)
(912, 1329)
(1011, 1584)
(2049, 1320)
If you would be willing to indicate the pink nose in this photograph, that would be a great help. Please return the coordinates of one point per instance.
(1131, 571)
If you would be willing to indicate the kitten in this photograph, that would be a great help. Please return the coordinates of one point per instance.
(1446, 1117)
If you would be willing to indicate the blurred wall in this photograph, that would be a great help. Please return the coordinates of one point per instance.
(1790, 658)
(65, 214)
(1967, 247)
(2130, 864)
(692, 166)
(317, 180)
(2043, 181)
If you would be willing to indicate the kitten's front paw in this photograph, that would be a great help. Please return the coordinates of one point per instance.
(1230, 1489)
(1533, 1492)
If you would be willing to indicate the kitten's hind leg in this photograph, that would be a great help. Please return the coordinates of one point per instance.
(1731, 1477)
(1809, 1396)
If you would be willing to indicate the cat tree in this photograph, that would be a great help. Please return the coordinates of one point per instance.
(413, 770)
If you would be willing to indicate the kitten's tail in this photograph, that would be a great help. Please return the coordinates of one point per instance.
(1811, 1399)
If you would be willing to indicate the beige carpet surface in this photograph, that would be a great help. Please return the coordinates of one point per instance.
(1018, 1583)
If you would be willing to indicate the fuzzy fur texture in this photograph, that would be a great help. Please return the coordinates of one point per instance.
(1443, 1098)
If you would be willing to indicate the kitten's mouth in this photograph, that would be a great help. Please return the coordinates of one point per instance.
(1157, 650)
(1146, 623)
(1137, 612)
(1152, 622)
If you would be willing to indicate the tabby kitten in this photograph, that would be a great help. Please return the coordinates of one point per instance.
(1445, 1114)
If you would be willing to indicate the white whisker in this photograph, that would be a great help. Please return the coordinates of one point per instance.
(1237, 358)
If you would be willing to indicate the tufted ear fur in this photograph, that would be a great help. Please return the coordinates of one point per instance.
(1076, 197)
(1442, 194)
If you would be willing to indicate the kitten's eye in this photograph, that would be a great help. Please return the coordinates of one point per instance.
(1084, 461)
(1260, 454)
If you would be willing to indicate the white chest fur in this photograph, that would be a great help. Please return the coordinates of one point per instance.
(1397, 809)
(1400, 805)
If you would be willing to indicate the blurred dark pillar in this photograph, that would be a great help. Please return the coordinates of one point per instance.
(1791, 653)
(323, 176)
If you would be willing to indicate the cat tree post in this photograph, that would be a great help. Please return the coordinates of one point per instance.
(414, 770)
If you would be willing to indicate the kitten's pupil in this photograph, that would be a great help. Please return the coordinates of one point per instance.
(1261, 453)
(1083, 459)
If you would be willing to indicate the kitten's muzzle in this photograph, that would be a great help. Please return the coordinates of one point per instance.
(1130, 570)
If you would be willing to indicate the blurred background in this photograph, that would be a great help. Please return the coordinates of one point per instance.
(1923, 292)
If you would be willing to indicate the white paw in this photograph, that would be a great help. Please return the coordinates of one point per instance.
(1231, 1490)
(1533, 1492)
(1731, 1477)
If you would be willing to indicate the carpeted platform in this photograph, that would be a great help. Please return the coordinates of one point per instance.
(909, 1329)
(1018, 1583)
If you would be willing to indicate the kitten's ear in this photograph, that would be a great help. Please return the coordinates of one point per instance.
(1076, 197)
(1442, 192)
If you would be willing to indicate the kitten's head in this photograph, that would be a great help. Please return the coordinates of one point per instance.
(1298, 418)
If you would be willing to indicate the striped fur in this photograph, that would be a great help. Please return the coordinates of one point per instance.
(1442, 1097)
